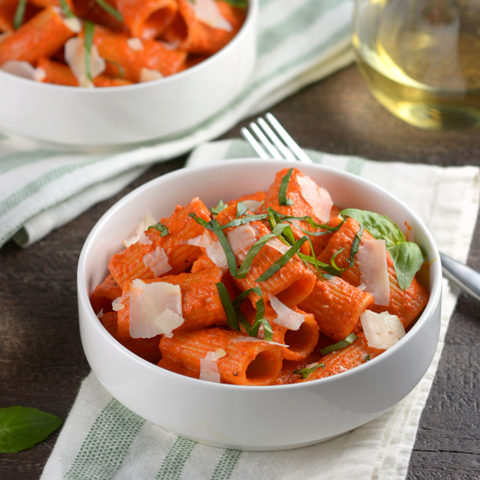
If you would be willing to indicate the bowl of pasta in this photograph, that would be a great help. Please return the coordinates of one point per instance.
(112, 74)
(259, 304)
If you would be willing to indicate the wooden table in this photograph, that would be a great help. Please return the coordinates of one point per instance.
(41, 358)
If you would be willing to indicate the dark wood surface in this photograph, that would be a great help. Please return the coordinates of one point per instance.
(41, 359)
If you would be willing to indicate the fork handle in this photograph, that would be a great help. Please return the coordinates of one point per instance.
(462, 275)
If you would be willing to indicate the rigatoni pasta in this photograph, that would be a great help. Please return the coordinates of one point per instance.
(228, 293)
(105, 43)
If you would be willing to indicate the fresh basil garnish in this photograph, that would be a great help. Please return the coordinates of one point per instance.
(237, 3)
(66, 9)
(220, 206)
(111, 10)
(163, 229)
(88, 43)
(228, 306)
(407, 256)
(19, 14)
(339, 345)
(24, 427)
(282, 192)
(305, 372)
(355, 246)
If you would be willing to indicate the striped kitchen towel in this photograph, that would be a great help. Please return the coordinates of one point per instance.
(41, 189)
(101, 439)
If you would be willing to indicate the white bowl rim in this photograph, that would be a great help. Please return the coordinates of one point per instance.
(434, 298)
(251, 14)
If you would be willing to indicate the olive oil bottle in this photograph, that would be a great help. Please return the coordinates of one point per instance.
(421, 59)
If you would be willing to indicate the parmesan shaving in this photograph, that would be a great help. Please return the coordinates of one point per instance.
(209, 367)
(75, 58)
(372, 261)
(73, 23)
(149, 75)
(135, 44)
(100, 314)
(117, 304)
(317, 197)
(382, 330)
(21, 69)
(213, 249)
(244, 338)
(39, 74)
(208, 12)
(286, 317)
(157, 261)
(155, 308)
(278, 245)
(253, 205)
(144, 223)
(241, 238)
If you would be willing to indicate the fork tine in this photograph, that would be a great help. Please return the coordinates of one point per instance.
(253, 143)
(294, 147)
(285, 152)
(265, 141)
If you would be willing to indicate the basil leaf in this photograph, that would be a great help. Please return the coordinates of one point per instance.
(66, 9)
(163, 229)
(88, 42)
(407, 260)
(246, 219)
(237, 3)
(121, 70)
(278, 264)
(228, 306)
(305, 372)
(255, 248)
(19, 14)
(220, 206)
(24, 427)
(366, 358)
(282, 192)
(339, 345)
(111, 10)
(355, 246)
(380, 226)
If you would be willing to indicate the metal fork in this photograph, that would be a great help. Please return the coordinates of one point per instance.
(270, 140)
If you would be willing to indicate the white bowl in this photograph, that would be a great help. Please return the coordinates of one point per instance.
(256, 418)
(116, 116)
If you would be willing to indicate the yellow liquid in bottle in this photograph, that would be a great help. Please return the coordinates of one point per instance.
(421, 59)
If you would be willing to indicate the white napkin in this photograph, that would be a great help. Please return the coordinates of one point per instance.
(42, 188)
(103, 439)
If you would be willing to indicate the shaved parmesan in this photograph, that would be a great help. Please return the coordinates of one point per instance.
(145, 222)
(286, 317)
(73, 23)
(149, 75)
(252, 205)
(117, 304)
(208, 12)
(100, 314)
(278, 245)
(209, 366)
(241, 238)
(317, 197)
(157, 261)
(135, 44)
(155, 308)
(212, 247)
(75, 58)
(24, 70)
(372, 262)
(382, 330)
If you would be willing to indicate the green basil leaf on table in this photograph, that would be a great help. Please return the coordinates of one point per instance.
(24, 427)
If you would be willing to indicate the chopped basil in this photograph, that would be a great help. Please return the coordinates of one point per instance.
(278, 264)
(243, 220)
(355, 246)
(220, 206)
(24, 427)
(305, 372)
(332, 260)
(121, 70)
(282, 192)
(111, 10)
(339, 345)
(163, 229)
(214, 227)
(407, 256)
(237, 3)
(19, 14)
(88, 43)
(66, 9)
(228, 306)
(366, 358)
